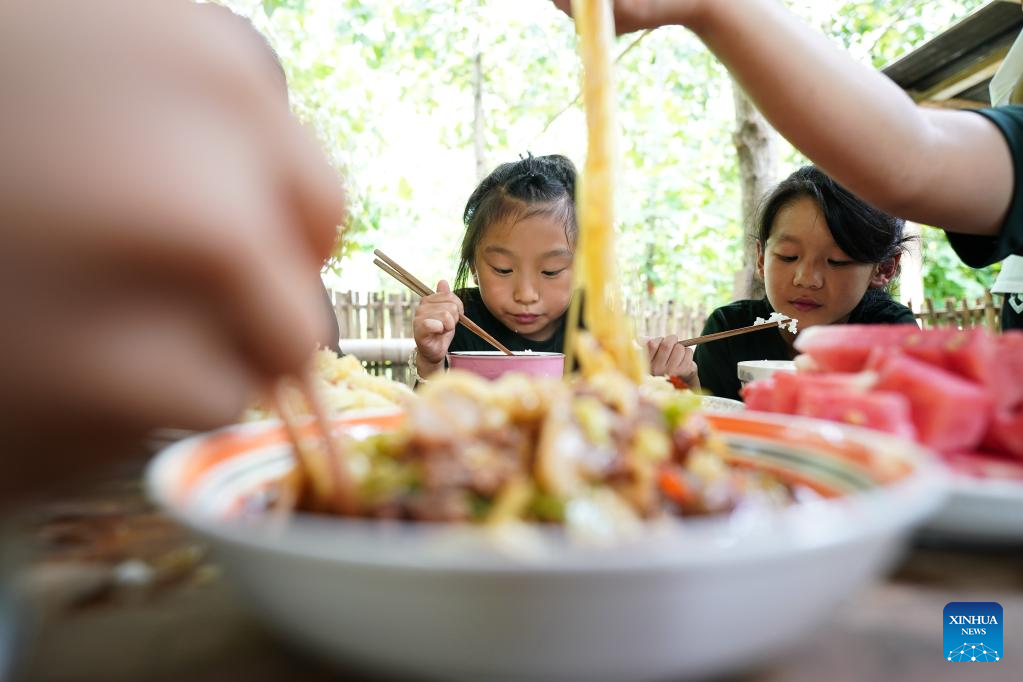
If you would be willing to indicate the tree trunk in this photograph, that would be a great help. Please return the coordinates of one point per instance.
(478, 123)
(756, 145)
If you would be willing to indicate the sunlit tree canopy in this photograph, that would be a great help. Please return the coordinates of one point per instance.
(389, 87)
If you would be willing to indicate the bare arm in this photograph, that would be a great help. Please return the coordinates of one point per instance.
(951, 169)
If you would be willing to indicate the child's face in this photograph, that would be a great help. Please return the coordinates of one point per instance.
(806, 275)
(524, 271)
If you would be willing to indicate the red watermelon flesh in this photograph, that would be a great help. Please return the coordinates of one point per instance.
(880, 410)
(993, 360)
(1005, 433)
(789, 386)
(784, 390)
(846, 347)
(951, 414)
(970, 353)
(930, 345)
(759, 395)
(1008, 364)
(974, 354)
(985, 465)
(963, 387)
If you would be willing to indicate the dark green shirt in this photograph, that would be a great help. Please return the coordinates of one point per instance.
(980, 252)
(716, 361)
(476, 311)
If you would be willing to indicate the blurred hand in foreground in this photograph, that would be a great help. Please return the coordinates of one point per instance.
(163, 220)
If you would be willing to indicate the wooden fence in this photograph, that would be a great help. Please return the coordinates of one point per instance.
(374, 315)
(378, 315)
(964, 314)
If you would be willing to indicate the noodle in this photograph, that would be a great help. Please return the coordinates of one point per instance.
(595, 269)
(603, 451)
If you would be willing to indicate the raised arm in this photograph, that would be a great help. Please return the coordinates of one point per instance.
(951, 169)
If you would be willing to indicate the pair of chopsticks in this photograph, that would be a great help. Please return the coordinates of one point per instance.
(388, 265)
(341, 494)
(399, 273)
(697, 340)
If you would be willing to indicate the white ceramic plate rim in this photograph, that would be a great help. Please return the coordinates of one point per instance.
(980, 510)
(805, 527)
(712, 403)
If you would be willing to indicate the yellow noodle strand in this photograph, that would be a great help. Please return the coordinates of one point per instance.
(596, 270)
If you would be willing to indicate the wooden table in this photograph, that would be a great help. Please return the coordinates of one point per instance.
(126, 595)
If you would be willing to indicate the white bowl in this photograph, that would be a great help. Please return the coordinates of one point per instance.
(681, 598)
(751, 370)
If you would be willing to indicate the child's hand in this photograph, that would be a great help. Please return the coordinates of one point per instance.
(434, 326)
(633, 15)
(670, 358)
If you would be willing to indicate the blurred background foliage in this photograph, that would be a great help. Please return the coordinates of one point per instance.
(389, 86)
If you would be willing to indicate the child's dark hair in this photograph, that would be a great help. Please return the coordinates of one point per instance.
(535, 185)
(864, 233)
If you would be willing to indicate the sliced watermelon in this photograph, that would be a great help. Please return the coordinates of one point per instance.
(975, 354)
(992, 360)
(789, 386)
(845, 347)
(880, 410)
(783, 391)
(951, 414)
(1005, 433)
(972, 354)
(964, 387)
(985, 465)
(1008, 364)
(759, 395)
(933, 346)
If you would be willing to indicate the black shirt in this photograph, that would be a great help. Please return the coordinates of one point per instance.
(981, 251)
(716, 361)
(476, 311)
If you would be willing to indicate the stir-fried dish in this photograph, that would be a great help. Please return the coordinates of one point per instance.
(601, 448)
(597, 450)
(342, 385)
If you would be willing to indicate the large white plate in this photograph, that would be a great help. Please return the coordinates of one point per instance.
(712, 403)
(980, 510)
(463, 603)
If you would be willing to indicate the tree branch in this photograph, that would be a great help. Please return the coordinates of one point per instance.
(579, 95)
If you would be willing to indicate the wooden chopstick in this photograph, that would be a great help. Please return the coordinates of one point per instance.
(697, 340)
(342, 495)
(405, 277)
(401, 278)
(397, 268)
(419, 288)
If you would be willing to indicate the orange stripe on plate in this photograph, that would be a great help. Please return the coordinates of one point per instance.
(880, 466)
(217, 448)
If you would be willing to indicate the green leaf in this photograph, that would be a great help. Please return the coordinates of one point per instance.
(404, 189)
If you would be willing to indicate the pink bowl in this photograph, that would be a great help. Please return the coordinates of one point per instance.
(492, 364)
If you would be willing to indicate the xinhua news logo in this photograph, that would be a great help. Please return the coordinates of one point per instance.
(973, 632)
